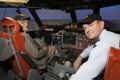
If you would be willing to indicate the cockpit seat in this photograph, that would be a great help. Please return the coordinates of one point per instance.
(112, 71)
(5, 48)
(11, 32)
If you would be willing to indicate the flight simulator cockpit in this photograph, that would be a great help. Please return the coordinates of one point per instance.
(56, 26)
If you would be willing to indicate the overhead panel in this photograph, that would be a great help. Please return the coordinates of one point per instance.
(15, 1)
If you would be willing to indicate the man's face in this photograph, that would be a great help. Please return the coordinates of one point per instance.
(24, 25)
(94, 29)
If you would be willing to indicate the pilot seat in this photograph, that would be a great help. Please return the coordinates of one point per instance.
(113, 66)
(22, 64)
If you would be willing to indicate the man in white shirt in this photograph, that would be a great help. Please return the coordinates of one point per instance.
(97, 55)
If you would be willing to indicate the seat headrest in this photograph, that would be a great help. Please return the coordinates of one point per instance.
(10, 23)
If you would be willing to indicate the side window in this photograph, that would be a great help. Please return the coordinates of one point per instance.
(111, 15)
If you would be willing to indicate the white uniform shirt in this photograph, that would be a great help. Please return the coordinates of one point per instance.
(98, 56)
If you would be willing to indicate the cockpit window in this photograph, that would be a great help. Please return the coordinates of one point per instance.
(110, 13)
(54, 17)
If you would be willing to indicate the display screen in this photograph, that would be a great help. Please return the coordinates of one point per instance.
(69, 38)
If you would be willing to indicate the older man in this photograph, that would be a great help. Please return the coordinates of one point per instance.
(97, 54)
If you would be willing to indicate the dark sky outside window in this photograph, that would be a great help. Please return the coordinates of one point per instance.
(110, 13)
(82, 13)
(53, 14)
(11, 12)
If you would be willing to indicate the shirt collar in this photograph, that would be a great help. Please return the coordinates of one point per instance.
(102, 34)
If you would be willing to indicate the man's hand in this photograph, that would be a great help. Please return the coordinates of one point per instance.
(77, 62)
(45, 50)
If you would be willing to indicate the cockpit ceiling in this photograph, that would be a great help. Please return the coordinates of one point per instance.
(68, 4)
(72, 4)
